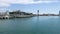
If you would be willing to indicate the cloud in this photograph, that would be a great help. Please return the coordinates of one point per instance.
(4, 3)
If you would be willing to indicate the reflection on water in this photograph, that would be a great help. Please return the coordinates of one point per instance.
(34, 25)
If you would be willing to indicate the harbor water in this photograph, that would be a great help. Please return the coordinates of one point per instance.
(31, 25)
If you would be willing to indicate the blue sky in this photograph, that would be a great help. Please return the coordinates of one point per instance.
(44, 6)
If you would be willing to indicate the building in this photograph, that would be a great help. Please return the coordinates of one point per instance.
(59, 13)
(38, 12)
(19, 13)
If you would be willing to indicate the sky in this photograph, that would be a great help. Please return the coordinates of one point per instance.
(44, 6)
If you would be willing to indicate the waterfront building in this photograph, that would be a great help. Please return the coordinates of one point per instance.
(19, 13)
(59, 13)
(37, 12)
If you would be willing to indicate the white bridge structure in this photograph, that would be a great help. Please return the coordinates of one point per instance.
(4, 15)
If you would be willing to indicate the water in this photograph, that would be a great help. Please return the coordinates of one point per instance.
(33, 25)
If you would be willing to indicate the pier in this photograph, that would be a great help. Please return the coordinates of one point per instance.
(4, 17)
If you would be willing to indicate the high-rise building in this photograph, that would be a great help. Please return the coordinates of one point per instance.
(37, 12)
(59, 13)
